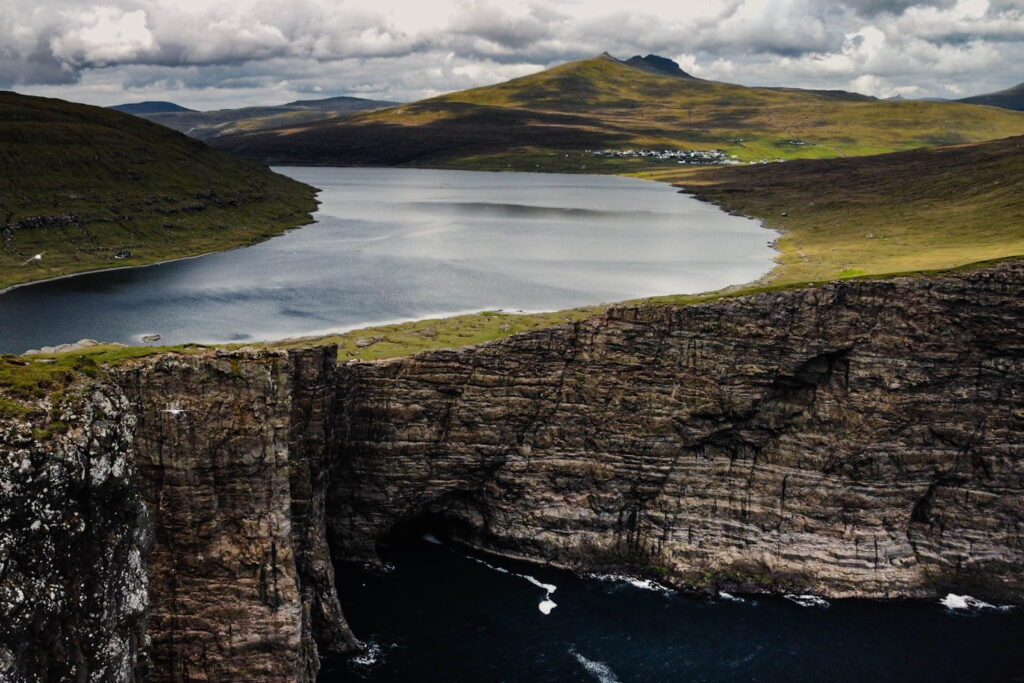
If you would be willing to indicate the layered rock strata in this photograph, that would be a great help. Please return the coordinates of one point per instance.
(230, 452)
(861, 438)
(856, 439)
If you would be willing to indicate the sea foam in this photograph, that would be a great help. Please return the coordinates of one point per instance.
(952, 601)
(599, 670)
(546, 605)
(642, 584)
(807, 600)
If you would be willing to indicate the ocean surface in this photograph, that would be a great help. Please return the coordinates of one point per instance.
(443, 613)
(402, 244)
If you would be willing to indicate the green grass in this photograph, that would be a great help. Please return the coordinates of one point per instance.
(918, 211)
(27, 380)
(85, 184)
(405, 339)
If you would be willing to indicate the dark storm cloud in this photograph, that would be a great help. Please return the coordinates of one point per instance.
(872, 8)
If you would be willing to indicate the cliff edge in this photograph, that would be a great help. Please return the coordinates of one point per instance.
(856, 439)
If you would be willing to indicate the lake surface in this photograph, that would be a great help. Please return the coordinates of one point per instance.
(443, 614)
(401, 244)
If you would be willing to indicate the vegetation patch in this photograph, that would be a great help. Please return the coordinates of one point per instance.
(86, 188)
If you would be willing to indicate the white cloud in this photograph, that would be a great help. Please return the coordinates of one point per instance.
(399, 49)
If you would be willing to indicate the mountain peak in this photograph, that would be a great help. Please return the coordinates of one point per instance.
(149, 108)
(654, 64)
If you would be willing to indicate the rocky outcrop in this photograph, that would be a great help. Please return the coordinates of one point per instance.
(860, 438)
(73, 538)
(230, 452)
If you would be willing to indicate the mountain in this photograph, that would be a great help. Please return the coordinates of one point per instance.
(656, 65)
(205, 125)
(562, 118)
(1011, 98)
(92, 188)
(142, 108)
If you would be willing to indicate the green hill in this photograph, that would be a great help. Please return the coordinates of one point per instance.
(558, 119)
(92, 188)
(1011, 98)
(919, 210)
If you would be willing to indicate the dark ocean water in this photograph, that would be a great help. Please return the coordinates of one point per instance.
(400, 244)
(442, 614)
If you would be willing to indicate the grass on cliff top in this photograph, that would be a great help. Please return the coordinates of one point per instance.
(83, 185)
(407, 338)
(24, 380)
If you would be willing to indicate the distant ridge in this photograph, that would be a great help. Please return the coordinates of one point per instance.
(139, 108)
(206, 125)
(1011, 98)
(654, 64)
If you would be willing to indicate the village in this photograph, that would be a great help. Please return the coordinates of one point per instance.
(682, 156)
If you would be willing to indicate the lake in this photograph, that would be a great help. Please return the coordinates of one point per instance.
(402, 244)
(444, 613)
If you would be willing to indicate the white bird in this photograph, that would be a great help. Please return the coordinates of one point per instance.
(37, 257)
(174, 411)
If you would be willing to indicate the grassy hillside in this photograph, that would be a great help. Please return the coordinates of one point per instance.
(94, 188)
(1011, 98)
(548, 121)
(205, 125)
(920, 210)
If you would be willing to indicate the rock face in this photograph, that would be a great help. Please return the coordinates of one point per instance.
(862, 438)
(73, 538)
(230, 453)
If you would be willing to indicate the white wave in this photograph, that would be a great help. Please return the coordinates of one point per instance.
(371, 656)
(546, 605)
(642, 584)
(729, 597)
(952, 601)
(599, 670)
(546, 586)
(807, 600)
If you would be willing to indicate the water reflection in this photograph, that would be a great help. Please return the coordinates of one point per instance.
(394, 244)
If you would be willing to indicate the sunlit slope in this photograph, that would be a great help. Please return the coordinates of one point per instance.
(549, 120)
(919, 210)
(91, 188)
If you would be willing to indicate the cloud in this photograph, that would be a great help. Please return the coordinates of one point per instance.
(398, 49)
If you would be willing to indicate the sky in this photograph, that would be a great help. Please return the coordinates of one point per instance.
(210, 54)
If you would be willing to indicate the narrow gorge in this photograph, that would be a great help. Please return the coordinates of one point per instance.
(856, 439)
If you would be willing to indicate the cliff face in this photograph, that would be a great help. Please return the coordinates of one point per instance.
(862, 438)
(857, 439)
(73, 538)
(230, 453)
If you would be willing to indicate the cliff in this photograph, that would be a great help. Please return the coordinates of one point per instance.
(857, 439)
(861, 438)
